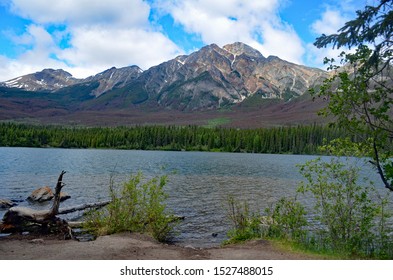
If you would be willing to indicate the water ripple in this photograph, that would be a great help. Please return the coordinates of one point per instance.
(197, 189)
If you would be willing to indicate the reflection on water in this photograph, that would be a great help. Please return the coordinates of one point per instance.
(198, 186)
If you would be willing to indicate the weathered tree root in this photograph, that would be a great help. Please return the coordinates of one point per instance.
(24, 219)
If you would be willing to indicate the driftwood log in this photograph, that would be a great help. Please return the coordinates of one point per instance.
(95, 205)
(21, 219)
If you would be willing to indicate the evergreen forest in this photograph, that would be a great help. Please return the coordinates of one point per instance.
(291, 140)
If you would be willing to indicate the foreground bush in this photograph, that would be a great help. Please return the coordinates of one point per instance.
(139, 206)
(286, 220)
(344, 218)
(246, 224)
(348, 218)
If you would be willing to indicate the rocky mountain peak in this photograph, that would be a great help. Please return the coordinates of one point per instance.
(55, 72)
(209, 78)
(111, 72)
(273, 58)
(211, 50)
(45, 80)
(210, 47)
(239, 48)
(113, 78)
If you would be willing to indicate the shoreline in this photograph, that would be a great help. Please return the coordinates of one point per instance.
(135, 246)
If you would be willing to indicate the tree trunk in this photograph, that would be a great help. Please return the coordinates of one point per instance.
(83, 207)
(56, 199)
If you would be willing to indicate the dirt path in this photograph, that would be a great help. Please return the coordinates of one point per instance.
(133, 246)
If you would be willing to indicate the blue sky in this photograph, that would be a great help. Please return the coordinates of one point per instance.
(85, 37)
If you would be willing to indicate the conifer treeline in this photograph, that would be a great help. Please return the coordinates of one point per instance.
(296, 140)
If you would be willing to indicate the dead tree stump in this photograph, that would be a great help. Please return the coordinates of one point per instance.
(21, 219)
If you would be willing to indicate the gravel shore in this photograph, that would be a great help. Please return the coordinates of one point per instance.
(134, 247)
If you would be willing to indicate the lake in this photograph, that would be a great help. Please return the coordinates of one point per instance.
(198, 186)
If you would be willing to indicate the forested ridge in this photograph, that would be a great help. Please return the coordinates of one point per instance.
(295, 140)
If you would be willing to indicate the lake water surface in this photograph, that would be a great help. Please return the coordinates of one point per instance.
(198, 186)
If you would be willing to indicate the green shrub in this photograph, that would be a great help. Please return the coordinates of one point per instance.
(343, 211)
(139, 206)
(344, 218)
(286, 220)
(246, 224)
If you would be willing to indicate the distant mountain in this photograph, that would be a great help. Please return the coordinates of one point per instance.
(210, 78)
(215, 77)
(49, 80)
(113, 78)
(45, 80)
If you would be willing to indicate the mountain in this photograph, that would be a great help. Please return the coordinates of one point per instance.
(210, 78)
(53, 80)
(234, 76)
(113, 78)
(46, 80)
(215, 77)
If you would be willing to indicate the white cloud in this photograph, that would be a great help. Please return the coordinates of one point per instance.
(99, 35)
(225, 21)
(30, 62)
(331, 20)
(99, 48)
(39, 50)
(81, 12)
(10, 68)
(315, 57)
(102, 34)
(38, 38)
(282, 41)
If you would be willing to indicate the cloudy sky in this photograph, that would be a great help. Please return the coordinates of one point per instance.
(85, 37)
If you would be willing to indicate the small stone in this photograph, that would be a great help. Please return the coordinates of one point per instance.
(85, 237)
(37, 241)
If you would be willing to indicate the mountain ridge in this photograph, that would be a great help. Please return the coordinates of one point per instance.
(210, 79)
(45, 80)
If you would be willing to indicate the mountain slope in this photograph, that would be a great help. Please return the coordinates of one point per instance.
(215, 77)
(45, 80)
(113, 78)
(235, 77)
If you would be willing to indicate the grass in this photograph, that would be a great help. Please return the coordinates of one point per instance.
(293, 247)
(217, 122)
